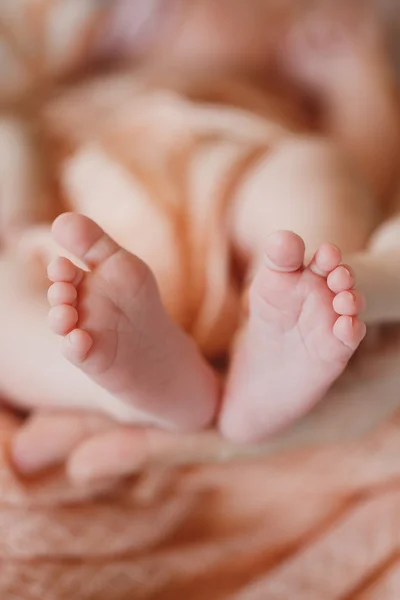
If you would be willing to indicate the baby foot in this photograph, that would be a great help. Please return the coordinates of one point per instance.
(302, 331)
(332, 49)
(116, 330)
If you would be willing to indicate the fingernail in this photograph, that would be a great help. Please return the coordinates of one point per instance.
(29, 461)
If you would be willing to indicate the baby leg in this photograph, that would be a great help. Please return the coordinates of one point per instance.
(25, 198)
(339, 57)
(118, 333)
(302, 327)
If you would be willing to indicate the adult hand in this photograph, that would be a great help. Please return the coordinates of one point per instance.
(95, 448)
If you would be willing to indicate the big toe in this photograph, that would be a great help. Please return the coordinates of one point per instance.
(84, 238)
(285, 251)
(75, 232)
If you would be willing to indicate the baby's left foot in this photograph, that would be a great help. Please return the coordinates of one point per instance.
(116, 331)
(303, 329)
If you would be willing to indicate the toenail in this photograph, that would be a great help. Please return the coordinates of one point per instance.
(72, 338)
(353, 297)
(357, 298)
(347, 270)
(285, 250)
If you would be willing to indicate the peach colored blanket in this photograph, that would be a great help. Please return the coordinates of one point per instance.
(312, 523)
(317, 520)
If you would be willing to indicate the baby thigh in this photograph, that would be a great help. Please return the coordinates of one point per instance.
(307, 186)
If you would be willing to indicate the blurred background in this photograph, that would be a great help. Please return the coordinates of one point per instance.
(41, 41)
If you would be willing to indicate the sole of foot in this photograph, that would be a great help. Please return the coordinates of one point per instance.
(115, 329)
(303, 328)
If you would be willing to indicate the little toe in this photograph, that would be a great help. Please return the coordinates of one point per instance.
(350, 331)
(62, 293)
(63, 270)
(341, 279)
(284, 251)
(63, 319)
(77, 346)
(84, 238)
(325, 260)
(349, 303)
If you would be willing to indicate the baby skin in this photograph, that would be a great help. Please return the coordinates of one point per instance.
(301, 332)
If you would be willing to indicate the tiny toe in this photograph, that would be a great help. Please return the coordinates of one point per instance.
(63, 270)
(350, 331)
(62, 293)
(285, 251)
(327, 258)
(77, 345)
(63, 319)
(341, 279)
(84, 239)
(349, 303)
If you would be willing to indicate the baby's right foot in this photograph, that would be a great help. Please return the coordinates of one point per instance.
(116, 330)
